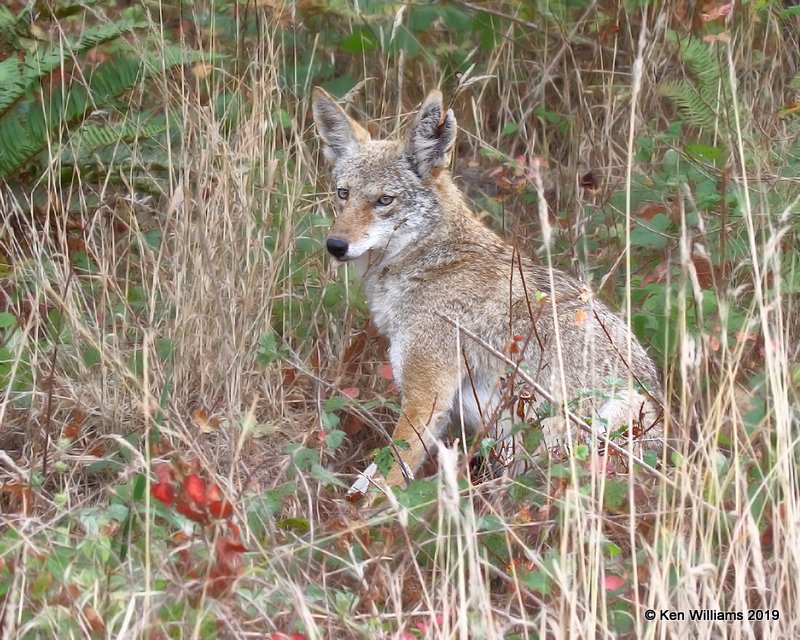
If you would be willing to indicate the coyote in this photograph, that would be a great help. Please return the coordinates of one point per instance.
(453, 298)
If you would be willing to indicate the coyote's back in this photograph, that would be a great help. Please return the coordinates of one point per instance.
(451, 295)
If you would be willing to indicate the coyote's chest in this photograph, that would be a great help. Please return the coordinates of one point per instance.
(388, 295)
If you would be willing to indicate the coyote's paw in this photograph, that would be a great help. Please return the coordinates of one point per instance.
(559, 437)
(617, 420)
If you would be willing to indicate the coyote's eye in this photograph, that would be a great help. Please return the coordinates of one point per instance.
(342, 193)
(385, 201)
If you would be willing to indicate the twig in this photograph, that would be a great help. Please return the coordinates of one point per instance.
(581, 424)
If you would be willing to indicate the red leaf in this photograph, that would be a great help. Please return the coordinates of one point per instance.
(163, 472)
(227, 546)
(612, 583)
(716, 13)
(768, 536)
(227, 564)
(650, 210)
(98, 450)
(352, 424)
(213, 493)
(589, 181)
(188, 509)
(195, 488)
(73, 429)
(95, 621)
(163, 493)
(423, 625)
(385, 372)
(221, 509)
(720, 37)
(351, 392)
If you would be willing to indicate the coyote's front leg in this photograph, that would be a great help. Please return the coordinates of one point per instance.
(428, 392)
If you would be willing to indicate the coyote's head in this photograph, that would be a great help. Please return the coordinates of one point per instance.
(385, 190)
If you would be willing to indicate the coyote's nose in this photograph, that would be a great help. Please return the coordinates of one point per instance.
(337, 247)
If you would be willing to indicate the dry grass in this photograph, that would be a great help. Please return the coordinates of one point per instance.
(187, 283)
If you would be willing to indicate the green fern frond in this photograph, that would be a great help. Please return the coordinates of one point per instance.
(8, 24)
(93, 37)
(13, 26)
(15, 145)
(34, 127)
(113, 78)
(698, 58)
(135, 150)
(12, 85)
(62, 110)
(17, 78)
(701, 99)
(38, 117)
(691, 105)
(90, 138)
(47, 59)
(175, 55)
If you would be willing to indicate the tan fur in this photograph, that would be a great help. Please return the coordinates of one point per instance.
(426, 259)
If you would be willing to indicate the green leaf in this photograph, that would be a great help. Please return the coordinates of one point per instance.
(91, 356)
(153, 238)
(7, 320)
(405, 41)
(511, 127)
(336, 403)
(283, 118)
(165, 349)
(560, 471)
(487, 26)
(417, 493)
(491, 523)
(702, 151)
(268, 349)
(334, 438)
(362, 40)
(651, 234)
(455, 18)
(532, 438)
(139, 487)
(305, 458)
(614, 494)
(422, 17)
(537, 580)
(384, 459)
(581, 452)
(325, 476)
(298, 525)
(330, 420)
(340, 85)
(12, 85)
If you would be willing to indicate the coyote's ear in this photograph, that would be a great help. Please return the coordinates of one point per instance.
(340, 134)
(432, 136)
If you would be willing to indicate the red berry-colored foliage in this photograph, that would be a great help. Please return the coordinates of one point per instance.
(182, 486)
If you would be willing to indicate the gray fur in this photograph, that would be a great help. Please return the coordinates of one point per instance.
(340, 134)
(432, 137)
